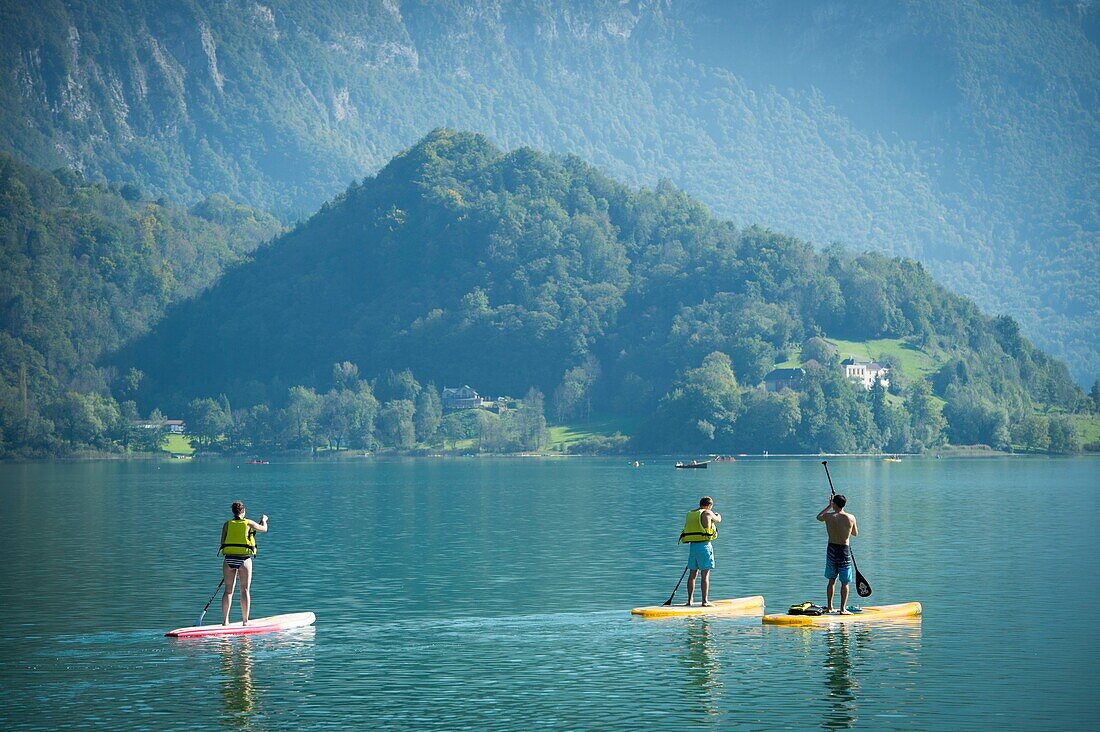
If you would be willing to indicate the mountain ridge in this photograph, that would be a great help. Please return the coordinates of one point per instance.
(280, 104)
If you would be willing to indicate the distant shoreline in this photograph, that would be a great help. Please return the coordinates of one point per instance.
(956, 452)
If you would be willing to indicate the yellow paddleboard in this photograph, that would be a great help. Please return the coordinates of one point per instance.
(737, 605)
(870, 613)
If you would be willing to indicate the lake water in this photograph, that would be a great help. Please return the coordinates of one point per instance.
(495, 594)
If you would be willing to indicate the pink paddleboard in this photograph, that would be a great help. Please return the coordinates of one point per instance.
(258, 625)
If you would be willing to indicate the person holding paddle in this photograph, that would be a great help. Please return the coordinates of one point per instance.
(838, 556)
(700, 527)
(238, 546)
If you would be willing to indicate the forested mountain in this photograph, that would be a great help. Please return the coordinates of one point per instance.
(84, 267)
(466, 264)
(959, 132)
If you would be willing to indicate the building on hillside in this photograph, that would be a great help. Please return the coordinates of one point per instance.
(461, 397)
(779, 379)
(866, 372)
(174, 426)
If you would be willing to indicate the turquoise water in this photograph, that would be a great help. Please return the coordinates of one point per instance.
(494, 594)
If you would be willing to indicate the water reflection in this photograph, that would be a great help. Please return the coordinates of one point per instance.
(841, 712)
(702, 667)
(238, 690)
(869, 652)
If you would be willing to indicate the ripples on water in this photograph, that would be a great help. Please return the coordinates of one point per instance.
(494, 595)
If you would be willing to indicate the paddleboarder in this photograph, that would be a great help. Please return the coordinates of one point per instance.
(841, 526)
(239, 546)
(700, 527)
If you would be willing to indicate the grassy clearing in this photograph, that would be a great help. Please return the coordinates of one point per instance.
(178, 445)
(1088, 427)
(563, 435)
(914, 362)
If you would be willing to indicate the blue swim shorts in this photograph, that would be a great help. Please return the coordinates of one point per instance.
(838, 563)
(700, 555)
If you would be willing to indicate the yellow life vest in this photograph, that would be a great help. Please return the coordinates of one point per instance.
(693, 528)
(240, 541)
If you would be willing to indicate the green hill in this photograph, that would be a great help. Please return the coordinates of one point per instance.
(513, 270)
(84, 267)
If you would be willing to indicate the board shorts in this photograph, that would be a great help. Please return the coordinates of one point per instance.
(838, 563)
(700, 555)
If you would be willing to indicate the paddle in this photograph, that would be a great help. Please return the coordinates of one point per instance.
(863, 587)
(669, 600)
(203, 614)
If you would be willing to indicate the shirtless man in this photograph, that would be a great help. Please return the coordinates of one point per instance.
(700, 527)
(838, 557)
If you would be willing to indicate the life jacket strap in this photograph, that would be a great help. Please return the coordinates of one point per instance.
(251, 549)
(707, 534)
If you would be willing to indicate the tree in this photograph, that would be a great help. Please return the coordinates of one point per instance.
(429, 413)
(1031, 433)
(398, 385)
(531, 421)
(132, 381)
(1063, 436)
(896, 430)
(396, 422)
(925, 419)
(208, 420)
(818, 349)
(1094, 393)
(345, 375)
(769, 421)
(878, 403)
(87, 420)
(364, 415)
(151, 438)
(461, 425)
(573, 397)
(258, 427)
(303, 406)
(752, 359)
(701, 408)
(334, 421)
(972, 419)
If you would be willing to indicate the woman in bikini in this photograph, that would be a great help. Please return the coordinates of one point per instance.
(239, 546)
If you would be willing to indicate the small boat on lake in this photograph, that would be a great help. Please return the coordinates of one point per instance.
(693, 464)
(258, 462)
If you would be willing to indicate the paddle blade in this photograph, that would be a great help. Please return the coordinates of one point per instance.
(201, 616)
(863, 587)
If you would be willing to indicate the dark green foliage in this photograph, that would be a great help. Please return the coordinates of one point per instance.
(530, 422)
(974, 420)
(699, 411)
(209, 420)
(429, 413)
(818, 349)
(1063, 436)
(395, 421)
(459, 263)
(82, 270)
(1032, 433)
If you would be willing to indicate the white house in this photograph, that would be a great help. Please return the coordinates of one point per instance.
(865, 372)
